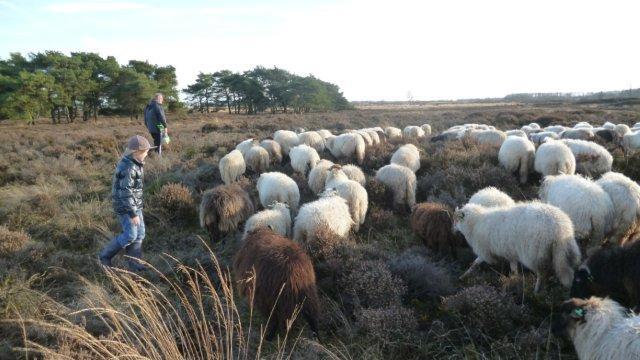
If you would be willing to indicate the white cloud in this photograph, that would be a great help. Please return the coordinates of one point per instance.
(90, 7)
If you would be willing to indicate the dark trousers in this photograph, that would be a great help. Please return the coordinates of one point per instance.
(157, 138)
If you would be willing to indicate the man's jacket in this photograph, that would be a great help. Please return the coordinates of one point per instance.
(154, 116)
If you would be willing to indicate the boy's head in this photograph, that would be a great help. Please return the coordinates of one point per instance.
(138, 146)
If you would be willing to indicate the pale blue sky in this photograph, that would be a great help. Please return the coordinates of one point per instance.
(374, 50)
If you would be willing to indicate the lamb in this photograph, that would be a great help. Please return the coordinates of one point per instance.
(630, 143)
(517, 155)
(303, 158)
(589, 207)
(223, 208)
(347, 146)
(407, 155)
(491, 197)
(274, 150)
(413, 133)
(612, 272)
(276, 186)
(402, 182)
(432, 223)
(318, 176)
(329, 214)
(354, 173)
(625, 196)
(312, 139)
(427, 129)
(393, 134)
(591, 158)
(578, 134)
(287, 139)
(257, 159)
(554, 158)
(599, 329)
(539, 236)
(245, 145)
(277, 276)
(493, 138)
(539, 138)
(277, 217)
(353, 192)
(231, 167)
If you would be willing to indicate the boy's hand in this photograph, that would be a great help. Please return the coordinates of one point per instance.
(136, 220)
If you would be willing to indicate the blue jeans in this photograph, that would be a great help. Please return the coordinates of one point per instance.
(130, 239)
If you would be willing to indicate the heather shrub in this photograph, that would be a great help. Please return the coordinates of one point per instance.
(386, 324)
(174, 203)
(11, 241)
(482, 309)
(379, 193)
(372, 285)
(426, 280)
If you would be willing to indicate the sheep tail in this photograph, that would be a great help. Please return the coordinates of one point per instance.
(566, 258)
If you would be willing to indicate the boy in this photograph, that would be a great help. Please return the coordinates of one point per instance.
(126, 194)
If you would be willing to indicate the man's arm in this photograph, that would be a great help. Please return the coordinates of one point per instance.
(160, 115)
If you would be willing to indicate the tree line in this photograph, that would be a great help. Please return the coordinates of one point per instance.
(85, 85)
(80, 85)
(262, 89)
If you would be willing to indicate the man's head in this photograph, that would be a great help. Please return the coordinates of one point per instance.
(138, 146)
(158, 98)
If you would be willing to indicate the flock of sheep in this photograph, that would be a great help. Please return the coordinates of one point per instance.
(575, 217)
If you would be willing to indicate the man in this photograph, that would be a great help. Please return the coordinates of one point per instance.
(126, 195)
(154, 118)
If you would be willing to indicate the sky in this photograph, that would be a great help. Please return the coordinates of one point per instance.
(373, 50)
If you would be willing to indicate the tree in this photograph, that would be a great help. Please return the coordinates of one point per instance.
(31, 98)
(133, 90)
(202, 93)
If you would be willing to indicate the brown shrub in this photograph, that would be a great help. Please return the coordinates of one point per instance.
(269, 263)
(175, 203)
(373, 285)
(11, 241)
(432, 223)
(386, 324)
(379, 193)
(426, 280)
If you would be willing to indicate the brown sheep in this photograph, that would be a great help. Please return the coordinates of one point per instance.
(223, 208)
(433, 224)
(279, 264)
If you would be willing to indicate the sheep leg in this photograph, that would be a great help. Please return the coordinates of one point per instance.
(514, 267)
(473, 266)
(539, 283)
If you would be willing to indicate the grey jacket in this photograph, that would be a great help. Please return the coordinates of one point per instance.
(154, 116)
(126, 191)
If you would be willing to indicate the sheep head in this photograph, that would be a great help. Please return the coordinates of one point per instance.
(571, 313)
(583, 285)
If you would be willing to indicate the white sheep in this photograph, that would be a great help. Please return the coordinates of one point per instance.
(578, 134)
(407, 155)
(393, 134)
(402, 182)
(591, 159)
(427, 129)
(277, 216)
(554, 158)
(312, 139)
(491, 197)
(539, 138)
(329, 214)
(276, 186)
(625, 196)
(354, 173)
(608, 125)
(413, 133)
(589, 207)
(365, 136)
(517, 154)
(318, 176)
(558, 129)
(257, 159)
(518, 133)
(599, 329)
(630, 143)
(287, 139)
(274, 150)
(375, 137)
(493, 138)
(245, 145)
(534, 126)
(303, 158)
(324, 133)
(347, 146)
(583, 125)
(232, 166)
(353, 192)
(539, 236)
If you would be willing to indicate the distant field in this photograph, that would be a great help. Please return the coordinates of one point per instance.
(55, 215)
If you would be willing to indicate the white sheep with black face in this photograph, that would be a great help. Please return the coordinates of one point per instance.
(537, 235)
(599, 329)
